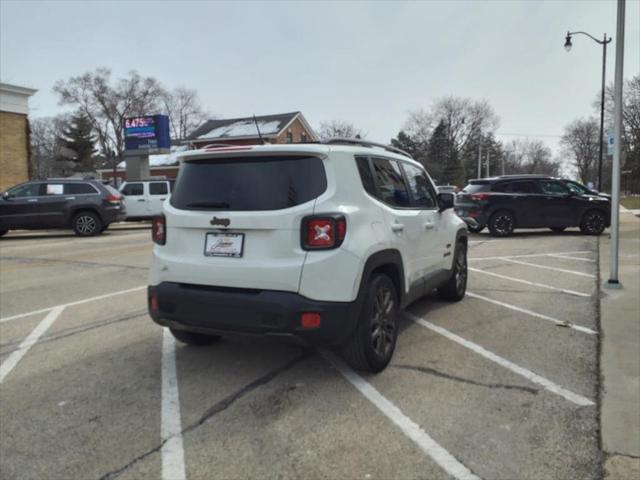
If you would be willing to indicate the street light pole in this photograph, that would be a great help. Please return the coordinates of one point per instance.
(617, 149)
(603, 42)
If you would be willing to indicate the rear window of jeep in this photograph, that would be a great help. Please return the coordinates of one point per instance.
(249, 183)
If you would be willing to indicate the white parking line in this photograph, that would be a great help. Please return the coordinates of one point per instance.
(573, 326)
(70, 304)
(171, 425)
(65, 242)
(530, 255)
(546, 267)
(527, 282)
(13, 359)
(411, 429)
(503, 362)
(568, 257)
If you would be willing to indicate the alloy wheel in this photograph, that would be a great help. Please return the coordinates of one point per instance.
(383, 324)
(503, 224)
(86, 225)
(594, 222)
(461, 272)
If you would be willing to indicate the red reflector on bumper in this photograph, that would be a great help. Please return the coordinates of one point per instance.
(311, 320)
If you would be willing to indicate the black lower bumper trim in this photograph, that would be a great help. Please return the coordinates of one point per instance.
(221, 310)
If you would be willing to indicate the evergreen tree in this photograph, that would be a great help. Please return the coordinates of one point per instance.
(414, 148)
(438, 152)
(78, 137)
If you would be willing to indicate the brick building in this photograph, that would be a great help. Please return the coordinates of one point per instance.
(279, 128)
(14, 135)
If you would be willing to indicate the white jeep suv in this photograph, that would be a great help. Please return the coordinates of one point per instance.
(321, 242)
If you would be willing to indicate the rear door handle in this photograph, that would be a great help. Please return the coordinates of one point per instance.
(428, 225)
(397, 227)
(32, 200)
(141, 200)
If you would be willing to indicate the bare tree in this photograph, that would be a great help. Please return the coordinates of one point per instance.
(530, 156)
(580, 142)
(46, 147)
(465, 119)
(185, 111)
(339, 128)
(107, 103)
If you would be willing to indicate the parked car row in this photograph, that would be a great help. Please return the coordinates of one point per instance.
(87, 206)
(503, 204)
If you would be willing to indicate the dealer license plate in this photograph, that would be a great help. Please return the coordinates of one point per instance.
(224, 245)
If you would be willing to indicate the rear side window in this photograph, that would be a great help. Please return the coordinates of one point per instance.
(551, 187)
(54, 189)
(476, 187)
(420, 186)
(390, 183)
(133, 189)
(158, 188)
(249, 183)
(366, 175)
(79, 189)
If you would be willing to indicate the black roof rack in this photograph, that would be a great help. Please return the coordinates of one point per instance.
(363, 143)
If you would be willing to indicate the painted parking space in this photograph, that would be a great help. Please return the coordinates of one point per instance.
(500, 385)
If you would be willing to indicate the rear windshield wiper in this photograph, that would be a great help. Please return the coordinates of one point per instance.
(217, 205)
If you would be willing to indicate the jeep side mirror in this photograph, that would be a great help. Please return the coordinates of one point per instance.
(6, 195)
(445, 201)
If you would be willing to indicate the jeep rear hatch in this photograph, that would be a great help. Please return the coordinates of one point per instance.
(234, 221)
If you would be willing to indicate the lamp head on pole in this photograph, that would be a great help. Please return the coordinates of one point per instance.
(567, 43)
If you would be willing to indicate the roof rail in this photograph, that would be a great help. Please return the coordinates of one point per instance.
(364, 143)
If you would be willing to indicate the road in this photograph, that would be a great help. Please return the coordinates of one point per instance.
(503, 384)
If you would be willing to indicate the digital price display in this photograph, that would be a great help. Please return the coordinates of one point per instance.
(147, 132)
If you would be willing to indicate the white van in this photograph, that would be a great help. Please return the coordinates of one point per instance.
(143, 198)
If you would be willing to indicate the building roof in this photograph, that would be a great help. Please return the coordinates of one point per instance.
(245, 128)
(14, 98)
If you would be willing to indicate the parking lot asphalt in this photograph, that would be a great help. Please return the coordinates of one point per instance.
(503, 384)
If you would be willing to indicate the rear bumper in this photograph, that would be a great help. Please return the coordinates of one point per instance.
(113, 214)
(472, 215)
(239, 311)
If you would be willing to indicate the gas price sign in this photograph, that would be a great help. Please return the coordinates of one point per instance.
(148, 132)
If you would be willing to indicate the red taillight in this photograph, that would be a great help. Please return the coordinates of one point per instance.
(113, 198)
(479, 196)
(159, 230)
(310, 320)
(153, 303)
(323, 232)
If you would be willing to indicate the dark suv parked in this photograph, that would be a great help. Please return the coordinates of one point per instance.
(86, 206)
(531, 201)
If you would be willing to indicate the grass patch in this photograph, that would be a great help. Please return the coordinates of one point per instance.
(630, 202)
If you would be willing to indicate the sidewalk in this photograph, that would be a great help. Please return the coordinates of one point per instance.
(620, 354)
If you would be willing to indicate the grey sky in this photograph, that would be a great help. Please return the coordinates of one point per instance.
(365, 62)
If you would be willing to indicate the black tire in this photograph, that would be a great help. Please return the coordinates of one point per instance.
(558, 229)
(477, 229)
(86, 224)
(371, 346)
(593, 222)
(3, 232)
(502, 223)
(191, 338)
(456, 287)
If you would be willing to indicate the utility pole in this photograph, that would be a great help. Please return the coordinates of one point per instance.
(503, 163)
(479, 160)
(617, 148)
